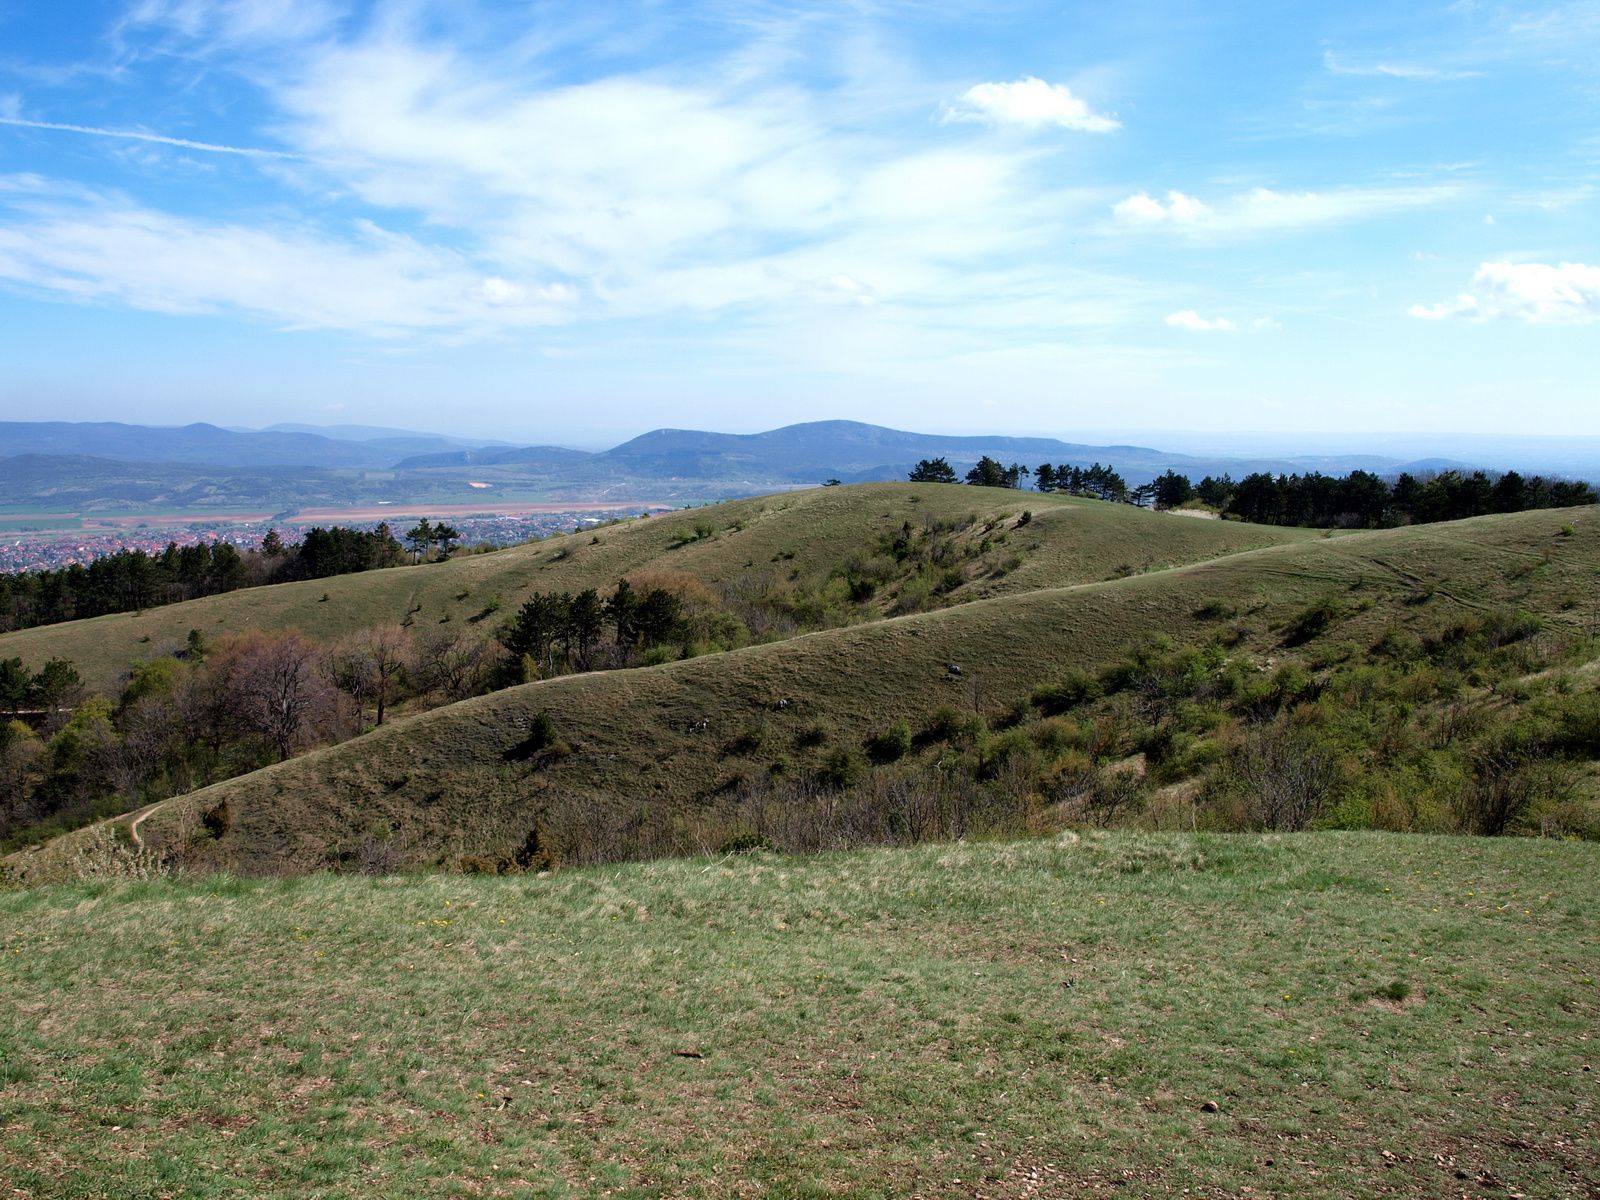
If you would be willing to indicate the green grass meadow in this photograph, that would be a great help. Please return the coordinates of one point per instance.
(1339, 1015)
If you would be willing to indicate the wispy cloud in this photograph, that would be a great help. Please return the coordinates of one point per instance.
(1030, 101)
(622, 196)
(1262, 209)
(1393, 70)
(1191, 320)
(1525, 292)
(138, 136)
(235, 21)
(101, 248)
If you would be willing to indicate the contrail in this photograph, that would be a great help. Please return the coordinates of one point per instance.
(150, 137)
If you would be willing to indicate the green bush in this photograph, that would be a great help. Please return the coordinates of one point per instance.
(1074, 688)
(893, 743)
(843, 768)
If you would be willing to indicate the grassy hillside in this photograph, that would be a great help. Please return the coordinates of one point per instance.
(636, 748)
(805, 534)
(1323, 1015)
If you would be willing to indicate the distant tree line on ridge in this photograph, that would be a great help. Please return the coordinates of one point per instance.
(132, 580)
(1363, 500)
(1103, 483)
(1359, 500)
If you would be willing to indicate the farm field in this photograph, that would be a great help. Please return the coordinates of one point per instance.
(1314, 1015)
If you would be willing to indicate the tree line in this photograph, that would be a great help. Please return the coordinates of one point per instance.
(1363, 500)
(1103, 483)
(1359, 500)
(133, 580)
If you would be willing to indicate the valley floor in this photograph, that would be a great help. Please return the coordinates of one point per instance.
(1314, 1015)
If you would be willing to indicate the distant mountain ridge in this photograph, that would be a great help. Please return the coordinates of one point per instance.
(370, 433)
(109, 465)
(207, 445)
(855, 452)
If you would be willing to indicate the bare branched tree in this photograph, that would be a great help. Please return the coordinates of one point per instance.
(282, 695)
(348, 666)
(385, 648)
(1286, 776)
(454, 665)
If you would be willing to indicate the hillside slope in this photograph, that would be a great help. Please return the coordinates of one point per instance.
(806, 533)
(669, 738)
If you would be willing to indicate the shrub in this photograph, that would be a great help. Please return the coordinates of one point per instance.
(842, 768)
(1075, 687)
(946, 725)
(893, 743)
(1055, 735)
(1579, 726)
(1286, 776)
(1216, 610)
(814, 734)
(1099, 797)
(1511, 778)
(751, 738)
(1312, 621)
(747, 843)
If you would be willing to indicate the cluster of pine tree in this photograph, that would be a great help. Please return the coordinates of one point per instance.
(1101, 482)
(1362, 500)
(132, 580)
(1359, 500)
(126, 581)
(556, 631)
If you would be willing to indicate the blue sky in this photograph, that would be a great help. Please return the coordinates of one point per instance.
(575, 222)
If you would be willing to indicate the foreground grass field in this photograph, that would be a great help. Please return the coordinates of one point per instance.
(1319, 1015)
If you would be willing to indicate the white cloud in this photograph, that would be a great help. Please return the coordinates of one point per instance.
(641, 195)
(1190, 319)
(1526, 292)
(525, 201)
(1140, 209)
(499, 293)
(1263, 210)
(104, 249)
(1030, 101)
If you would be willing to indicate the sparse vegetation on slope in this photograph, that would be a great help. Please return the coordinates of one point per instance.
(790, 544)
(1317, 1016)
(672, 758)
(176, 719)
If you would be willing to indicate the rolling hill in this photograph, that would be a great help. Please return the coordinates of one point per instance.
(810, 532)
(649, 743)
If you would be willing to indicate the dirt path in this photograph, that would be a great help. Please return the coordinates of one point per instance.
(133, 825)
